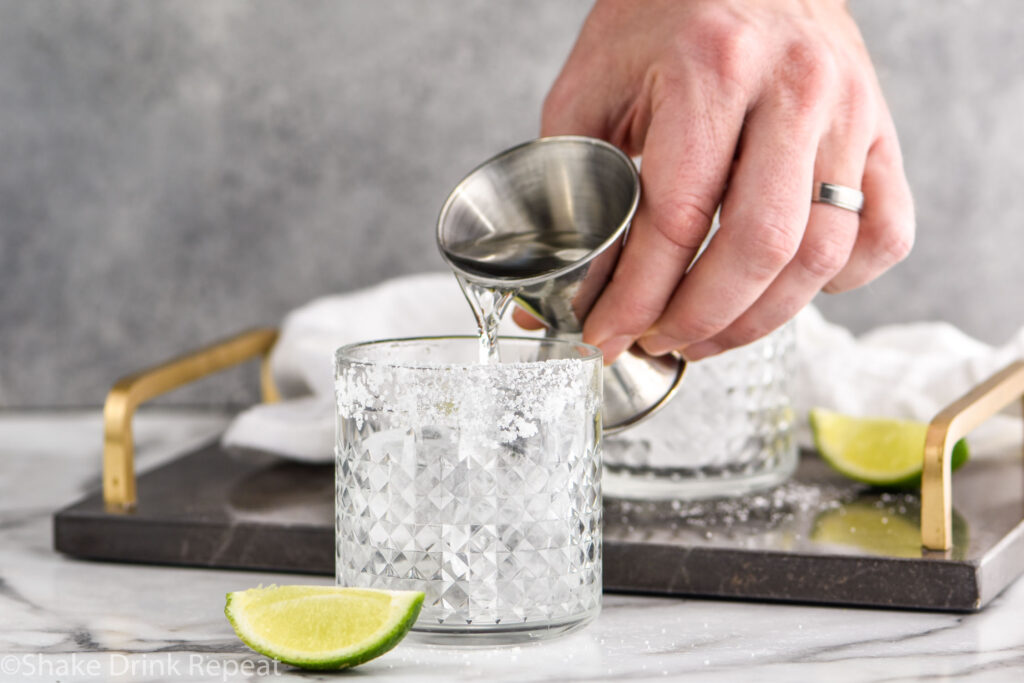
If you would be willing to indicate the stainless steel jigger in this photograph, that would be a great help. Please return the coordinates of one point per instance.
(548, 188)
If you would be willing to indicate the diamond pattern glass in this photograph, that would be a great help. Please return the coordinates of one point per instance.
(477, 484)
(728, 431)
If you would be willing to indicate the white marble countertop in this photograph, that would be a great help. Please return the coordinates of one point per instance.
(68, 620)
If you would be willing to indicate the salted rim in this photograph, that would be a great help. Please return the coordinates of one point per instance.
(343, 353)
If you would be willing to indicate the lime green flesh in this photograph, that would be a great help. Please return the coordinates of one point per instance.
(877, 451)
(322, 627)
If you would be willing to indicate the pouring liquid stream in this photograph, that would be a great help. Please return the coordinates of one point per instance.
(489, 305)
(516, 255)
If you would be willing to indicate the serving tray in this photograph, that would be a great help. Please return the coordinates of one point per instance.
(819, 538)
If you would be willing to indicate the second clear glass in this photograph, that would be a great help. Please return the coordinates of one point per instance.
(727, 432)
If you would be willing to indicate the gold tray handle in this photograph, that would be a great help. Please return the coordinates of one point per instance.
(129, 392)
(948, 427)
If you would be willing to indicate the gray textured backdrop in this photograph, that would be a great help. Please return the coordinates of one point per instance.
(173, 171)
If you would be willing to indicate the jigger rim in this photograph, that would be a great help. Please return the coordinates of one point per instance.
(615, 235)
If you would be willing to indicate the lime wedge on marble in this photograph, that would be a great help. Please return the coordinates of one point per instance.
(322, 627)
(875, 450)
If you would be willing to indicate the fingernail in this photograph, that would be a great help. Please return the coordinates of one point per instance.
(658, 344)
(701, 350)
(614, 346)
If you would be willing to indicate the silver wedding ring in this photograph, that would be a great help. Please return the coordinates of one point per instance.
(838, 195)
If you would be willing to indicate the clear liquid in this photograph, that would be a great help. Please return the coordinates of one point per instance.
(484, 532)
(523, 254)
(488, 305)
(516, 255)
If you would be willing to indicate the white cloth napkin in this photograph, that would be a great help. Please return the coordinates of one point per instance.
(909, 371)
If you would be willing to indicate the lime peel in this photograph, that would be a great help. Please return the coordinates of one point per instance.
(322, 627)
(878, 451)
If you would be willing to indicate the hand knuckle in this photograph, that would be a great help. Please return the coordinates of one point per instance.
(860, 97)
(640, 317)
(857, 85)
(768, 248)
(808, 73)
(725, 47)
(856, 111)
(895, 245)
(682, 221)
(693, 328)
(823, 258)
(886, 152)
(634, 313)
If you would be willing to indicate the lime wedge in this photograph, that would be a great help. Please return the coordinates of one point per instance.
(322, 627)
(874, 450)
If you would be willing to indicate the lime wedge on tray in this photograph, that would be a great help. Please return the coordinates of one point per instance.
(322, 627)
(875, 450)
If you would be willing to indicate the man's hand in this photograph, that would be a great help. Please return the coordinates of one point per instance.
(743, 103)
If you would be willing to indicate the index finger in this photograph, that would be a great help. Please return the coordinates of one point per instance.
(763, 220)
(688, 150)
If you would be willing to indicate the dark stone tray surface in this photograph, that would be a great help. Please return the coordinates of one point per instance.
(816, 539)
